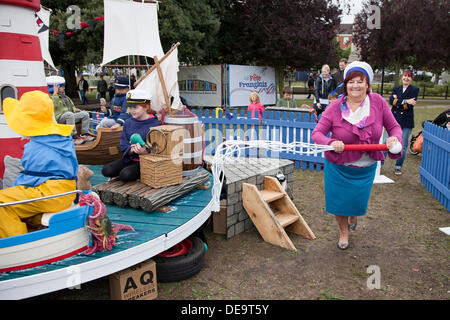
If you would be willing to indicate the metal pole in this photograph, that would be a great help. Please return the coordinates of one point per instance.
(39, 199)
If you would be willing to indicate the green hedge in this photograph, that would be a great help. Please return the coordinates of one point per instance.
(430, 89)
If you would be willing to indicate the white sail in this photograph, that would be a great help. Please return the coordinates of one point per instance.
(43, 30)
(151, 83)
(131, 28)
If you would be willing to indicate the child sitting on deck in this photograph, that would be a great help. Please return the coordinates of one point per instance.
(142, 119)
(118, 114)
(49, 161)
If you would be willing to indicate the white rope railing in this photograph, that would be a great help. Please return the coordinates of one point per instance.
(233, 149)
(230, 149)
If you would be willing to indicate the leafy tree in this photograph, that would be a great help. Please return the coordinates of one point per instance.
(279, 33)
(71, 53)
(340, 53)
(406, 35)
(194, 24)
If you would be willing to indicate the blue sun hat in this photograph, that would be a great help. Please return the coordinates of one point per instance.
(121, 83)
(361, 66)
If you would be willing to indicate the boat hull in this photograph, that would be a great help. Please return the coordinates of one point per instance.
(44, 251)
(104, 149)
(65, 236)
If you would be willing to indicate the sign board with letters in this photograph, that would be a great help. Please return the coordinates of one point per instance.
(243, 80)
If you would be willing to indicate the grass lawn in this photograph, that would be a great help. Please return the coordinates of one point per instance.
(399, 235)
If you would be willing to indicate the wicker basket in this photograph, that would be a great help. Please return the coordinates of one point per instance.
(161, 171)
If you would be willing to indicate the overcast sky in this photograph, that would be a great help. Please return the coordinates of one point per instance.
(354, 5)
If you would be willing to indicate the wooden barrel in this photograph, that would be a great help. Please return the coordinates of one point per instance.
(193, 139)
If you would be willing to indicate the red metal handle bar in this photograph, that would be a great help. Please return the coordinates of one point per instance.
(365, 147)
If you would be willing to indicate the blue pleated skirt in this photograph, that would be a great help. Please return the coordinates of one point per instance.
(347, 189)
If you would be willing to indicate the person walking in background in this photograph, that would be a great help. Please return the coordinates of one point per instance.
(102, 86)
(83, 87)
(255, 105)
(358, 117)
(339, 76)
(403, 99)
(111, 89)
(310, 85)
(288, 99)
(323, 86)
(132, 81)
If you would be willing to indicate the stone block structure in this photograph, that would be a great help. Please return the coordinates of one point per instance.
(249, 170)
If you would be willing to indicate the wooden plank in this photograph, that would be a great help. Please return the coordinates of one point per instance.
(154, 67)
(270, 196)
(163, 85)
(286, 219)
(263, 218)
(300, 227)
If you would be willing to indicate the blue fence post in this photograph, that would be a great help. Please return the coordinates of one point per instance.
(286, 127)
(434, 168)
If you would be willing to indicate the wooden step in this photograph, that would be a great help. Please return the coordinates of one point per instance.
(271, 217)
(286, 219)
(270, 196)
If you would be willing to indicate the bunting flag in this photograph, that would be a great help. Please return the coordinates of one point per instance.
(43, 26)
(43, 20)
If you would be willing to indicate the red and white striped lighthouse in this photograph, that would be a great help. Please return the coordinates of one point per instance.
(21, 65)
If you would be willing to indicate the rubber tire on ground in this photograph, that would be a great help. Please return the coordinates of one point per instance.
(181, 267)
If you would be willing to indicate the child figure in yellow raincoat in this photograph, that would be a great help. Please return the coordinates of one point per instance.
(49, 161)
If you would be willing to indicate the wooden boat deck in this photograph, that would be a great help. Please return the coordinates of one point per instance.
(155, 232)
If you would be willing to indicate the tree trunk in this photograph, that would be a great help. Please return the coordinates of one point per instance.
(71, 81)
(398, 74)
(280, 78)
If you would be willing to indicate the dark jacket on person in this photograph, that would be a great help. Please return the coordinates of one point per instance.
(119, 110)
(131, 127)
(339, 78)
(85, 85)
(324, 87)
(404, 112)
(102, 86)
(311, 82)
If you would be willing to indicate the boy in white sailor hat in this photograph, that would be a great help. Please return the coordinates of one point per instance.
(141, 120)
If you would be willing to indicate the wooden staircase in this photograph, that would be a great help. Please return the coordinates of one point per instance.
(273, 212)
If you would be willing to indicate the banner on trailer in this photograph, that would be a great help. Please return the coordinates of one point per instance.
(201, 85)
(244, 80)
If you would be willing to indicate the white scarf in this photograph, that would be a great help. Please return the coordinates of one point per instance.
(359, 116)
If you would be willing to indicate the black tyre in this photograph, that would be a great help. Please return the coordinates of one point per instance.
(411, 144)
(170, 268)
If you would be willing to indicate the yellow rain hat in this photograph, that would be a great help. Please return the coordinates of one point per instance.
(32, 115)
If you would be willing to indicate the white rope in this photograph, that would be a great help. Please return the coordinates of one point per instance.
(233, 149)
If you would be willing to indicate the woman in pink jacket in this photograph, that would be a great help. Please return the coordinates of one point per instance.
(358, 117)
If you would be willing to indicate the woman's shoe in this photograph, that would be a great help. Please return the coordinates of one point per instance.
(352, 227)
(343, 246)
